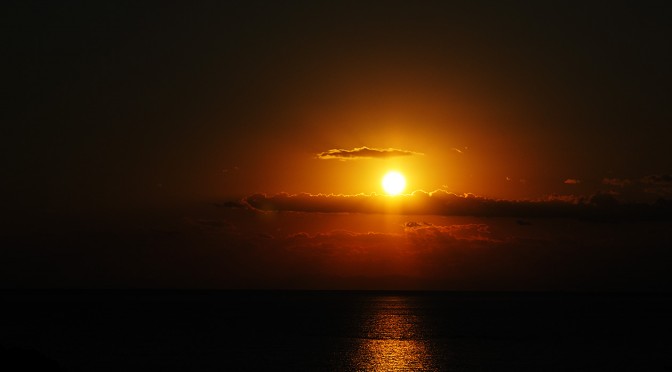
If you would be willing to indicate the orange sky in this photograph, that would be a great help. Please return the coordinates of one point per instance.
(183, 137)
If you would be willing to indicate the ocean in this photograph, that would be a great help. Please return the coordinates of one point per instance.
(335, 331)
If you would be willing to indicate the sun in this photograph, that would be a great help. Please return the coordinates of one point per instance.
(394, 183)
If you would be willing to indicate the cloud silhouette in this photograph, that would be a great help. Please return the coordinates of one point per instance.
(620, 182)
(235, 249)
(463, 256)
(655, 184)
(468, 232)
(364, 152)
(572, 181)
(658, 184)
(601, 206)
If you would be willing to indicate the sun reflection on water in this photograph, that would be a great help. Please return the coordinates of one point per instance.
(392, 338)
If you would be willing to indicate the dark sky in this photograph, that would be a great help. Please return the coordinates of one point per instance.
(123, 119)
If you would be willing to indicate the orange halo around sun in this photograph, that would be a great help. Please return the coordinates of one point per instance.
(394, 183)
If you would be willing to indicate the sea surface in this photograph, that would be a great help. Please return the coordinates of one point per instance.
(333, 330)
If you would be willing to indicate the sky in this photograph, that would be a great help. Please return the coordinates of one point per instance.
(243, 144)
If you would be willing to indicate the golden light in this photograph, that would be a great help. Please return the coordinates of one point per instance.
(394, 183)
(394, 340)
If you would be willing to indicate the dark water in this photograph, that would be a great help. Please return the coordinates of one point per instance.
(349, 331)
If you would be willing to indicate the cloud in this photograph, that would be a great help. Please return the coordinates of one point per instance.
(620, 182)
(364, 152)
(467, 232)
(572, 181)
(601, 206)
(467, 256)
(664, 179)
(225, 249)
(658, 184)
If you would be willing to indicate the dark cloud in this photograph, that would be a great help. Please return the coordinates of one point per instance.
(210, 252)
(620, 182)
(658, 184)
(664, 179)
(601, 206)
(364, 152)
(572, 181)
(469, 232)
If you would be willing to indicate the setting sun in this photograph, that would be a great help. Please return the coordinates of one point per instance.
(394, 183)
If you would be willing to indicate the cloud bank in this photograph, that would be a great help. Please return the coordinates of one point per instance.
(364, 152)
(601, 206)
(235, 248)
(658, 185)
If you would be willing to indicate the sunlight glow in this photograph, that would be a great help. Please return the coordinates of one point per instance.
(393, 338)
(394, 183)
